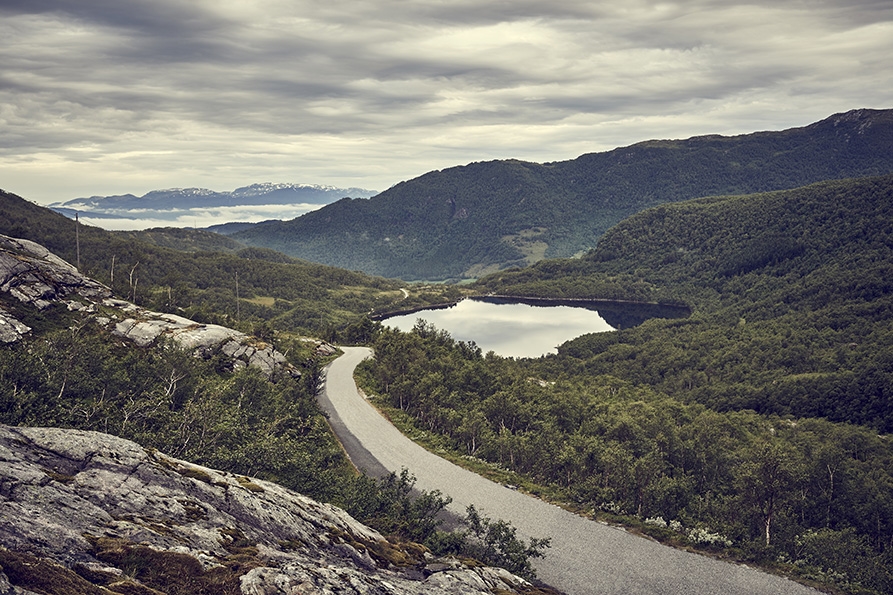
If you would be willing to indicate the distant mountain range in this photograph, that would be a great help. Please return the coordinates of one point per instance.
(467, 221)
(165, 204)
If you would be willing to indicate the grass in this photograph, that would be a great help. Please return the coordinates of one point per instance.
(267, 301)
(43, 576)
(174, 573)
(248, 484)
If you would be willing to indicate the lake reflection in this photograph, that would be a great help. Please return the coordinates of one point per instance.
(511, 330)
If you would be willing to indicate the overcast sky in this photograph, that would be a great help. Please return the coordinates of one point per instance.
(102, 97)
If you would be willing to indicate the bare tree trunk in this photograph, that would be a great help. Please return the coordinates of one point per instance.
(77, 238)
(133, 284)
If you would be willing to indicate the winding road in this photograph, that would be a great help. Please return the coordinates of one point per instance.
(585, 557)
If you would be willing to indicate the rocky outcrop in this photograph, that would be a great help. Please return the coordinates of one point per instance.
(101, 514)
(37, 278)
(144, 328)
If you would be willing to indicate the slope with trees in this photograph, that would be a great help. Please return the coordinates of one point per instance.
(482, 217)
(70, 366)
(206, 277)
(757, 427)
(792, 298)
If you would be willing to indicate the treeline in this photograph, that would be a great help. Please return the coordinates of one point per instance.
(813, 496)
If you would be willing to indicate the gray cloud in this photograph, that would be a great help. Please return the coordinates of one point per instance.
(112, 96)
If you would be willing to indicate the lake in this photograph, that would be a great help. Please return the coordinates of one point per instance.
(509, 329)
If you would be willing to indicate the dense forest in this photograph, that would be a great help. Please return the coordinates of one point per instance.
(752, 426)
(792, 298)
(466, 221)
(809, 496)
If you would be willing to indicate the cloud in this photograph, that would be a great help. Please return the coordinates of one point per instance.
(115, 96)
(126, 220)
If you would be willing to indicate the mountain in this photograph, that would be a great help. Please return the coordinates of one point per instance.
(791, 294)
(188, 198)
(181, 207)
(470, 220)
(202, 275)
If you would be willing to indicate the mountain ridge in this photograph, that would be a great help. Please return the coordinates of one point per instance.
(261, 193)
(469, 220)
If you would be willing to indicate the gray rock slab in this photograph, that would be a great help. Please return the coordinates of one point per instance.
(56, 486)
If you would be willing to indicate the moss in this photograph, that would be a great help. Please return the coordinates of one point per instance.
(172, 573)
(293, 545)
(527, 590)
(43, 576)
(160, 526)
(195, 473)
(97, 577)
(189, 471)
(397, 553)
(60, 477)
(248, 484)
(235, 541)
(194, 512)
(132, 588)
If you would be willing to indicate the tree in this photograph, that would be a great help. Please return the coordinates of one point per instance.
(765, 481)
(496, 543)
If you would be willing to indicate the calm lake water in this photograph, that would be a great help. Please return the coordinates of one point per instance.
(510, 330)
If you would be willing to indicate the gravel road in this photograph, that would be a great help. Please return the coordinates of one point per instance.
(586, 557)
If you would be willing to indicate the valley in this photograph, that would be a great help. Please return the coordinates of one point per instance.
(754, 429)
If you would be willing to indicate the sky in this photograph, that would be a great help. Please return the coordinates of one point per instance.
(102, 97)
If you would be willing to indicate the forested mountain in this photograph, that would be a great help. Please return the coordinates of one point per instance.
(792, 294)
(759, 426)
(483, 217)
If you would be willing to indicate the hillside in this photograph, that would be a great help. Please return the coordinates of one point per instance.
(203, 275)
(91, 514)
(757, 428)
(791, 291)
(482, 217)
(74, 357)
